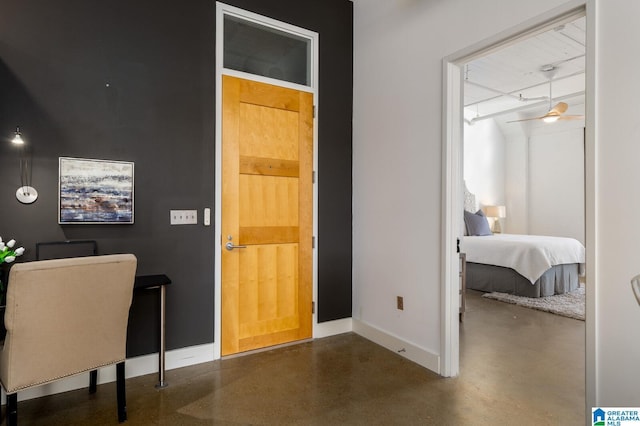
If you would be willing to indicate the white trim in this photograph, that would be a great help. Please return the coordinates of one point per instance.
(267, 80)
(222, 9)
(591, 213)
(452, 204)
(529, 28)
(225, 9)
(332, 328)
(451, 174)
(412, 352)
(217, 241)
(134, 367)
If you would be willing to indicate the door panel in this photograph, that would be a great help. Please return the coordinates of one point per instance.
(273, 133)
(268, 201)
(267, 146)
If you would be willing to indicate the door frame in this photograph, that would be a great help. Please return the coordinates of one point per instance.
(452, 145)
(221, 10)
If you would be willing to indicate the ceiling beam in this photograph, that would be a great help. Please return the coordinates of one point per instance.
(511, 94)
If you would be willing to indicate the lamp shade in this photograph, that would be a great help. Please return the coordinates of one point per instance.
(495, 211)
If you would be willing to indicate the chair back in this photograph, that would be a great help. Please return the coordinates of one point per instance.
(65, 316)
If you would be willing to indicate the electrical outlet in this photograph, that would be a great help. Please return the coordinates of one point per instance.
(400, 302)
(183, 217)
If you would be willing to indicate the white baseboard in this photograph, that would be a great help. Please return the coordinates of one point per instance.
(134, 367)
(331, 328)
(192, 355)
(408, 350)
(176, 358)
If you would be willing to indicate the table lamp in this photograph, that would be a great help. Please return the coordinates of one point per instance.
(496, 212)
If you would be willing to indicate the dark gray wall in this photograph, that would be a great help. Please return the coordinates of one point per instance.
(134, 80)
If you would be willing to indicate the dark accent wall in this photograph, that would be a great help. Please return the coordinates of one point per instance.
(134, 80)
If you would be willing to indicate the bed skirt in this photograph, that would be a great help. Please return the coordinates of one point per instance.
(557, 280)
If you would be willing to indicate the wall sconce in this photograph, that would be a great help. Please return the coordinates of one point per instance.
(26, 194)
(496, 212)
(17, 138)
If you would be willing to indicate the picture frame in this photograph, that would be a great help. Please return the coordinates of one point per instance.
(94, 191)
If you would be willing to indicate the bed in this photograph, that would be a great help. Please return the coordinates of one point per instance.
(524, 265)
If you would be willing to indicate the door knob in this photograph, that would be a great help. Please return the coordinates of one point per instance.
(230, 246)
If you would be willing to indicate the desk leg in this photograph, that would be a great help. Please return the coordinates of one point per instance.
(161, 383)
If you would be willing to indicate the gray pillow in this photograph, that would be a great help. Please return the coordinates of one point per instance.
(476, 223)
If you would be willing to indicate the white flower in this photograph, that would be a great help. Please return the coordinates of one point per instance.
(7, 252)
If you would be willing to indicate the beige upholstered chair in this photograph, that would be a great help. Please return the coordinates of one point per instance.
(64, 317)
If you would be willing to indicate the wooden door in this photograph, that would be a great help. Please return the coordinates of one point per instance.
(267, 208)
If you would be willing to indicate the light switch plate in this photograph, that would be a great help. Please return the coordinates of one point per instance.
(183, 217)
(207, 216)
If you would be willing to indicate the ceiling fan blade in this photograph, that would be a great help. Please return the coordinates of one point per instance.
(571, 117)
(525, 119)
(559, 108)
(554, 114)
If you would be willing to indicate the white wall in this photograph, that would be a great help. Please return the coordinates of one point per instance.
(545, 174)
(484, 162)
(618, 202)
(517, 184)
(399, 46)
(556, 184)
(398, 50)
(544, 187)
(536, 171)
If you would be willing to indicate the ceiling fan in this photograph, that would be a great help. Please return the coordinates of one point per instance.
(556, 112)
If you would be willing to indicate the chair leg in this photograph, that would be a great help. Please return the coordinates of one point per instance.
(12, 409)
(122, 397)
(93, 381)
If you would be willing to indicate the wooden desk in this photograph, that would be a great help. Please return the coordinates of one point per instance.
(147, 282)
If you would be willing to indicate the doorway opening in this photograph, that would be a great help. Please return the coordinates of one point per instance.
(453, 203)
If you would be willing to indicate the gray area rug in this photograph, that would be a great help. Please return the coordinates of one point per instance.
(568, 305)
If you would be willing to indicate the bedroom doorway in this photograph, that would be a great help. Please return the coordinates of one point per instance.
(454, 77)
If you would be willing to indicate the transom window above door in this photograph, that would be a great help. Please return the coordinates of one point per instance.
(260, 49)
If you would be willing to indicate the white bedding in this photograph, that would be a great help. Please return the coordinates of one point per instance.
(529, 255)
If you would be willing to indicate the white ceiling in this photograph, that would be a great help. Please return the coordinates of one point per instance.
(511, 83)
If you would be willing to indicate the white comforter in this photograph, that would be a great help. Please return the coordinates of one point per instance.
(529, 255)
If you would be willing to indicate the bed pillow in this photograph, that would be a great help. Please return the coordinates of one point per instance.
(476, 223)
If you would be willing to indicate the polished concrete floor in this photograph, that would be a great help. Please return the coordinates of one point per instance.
(518, 367)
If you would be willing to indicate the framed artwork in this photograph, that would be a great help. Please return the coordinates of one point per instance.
(95, 191)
